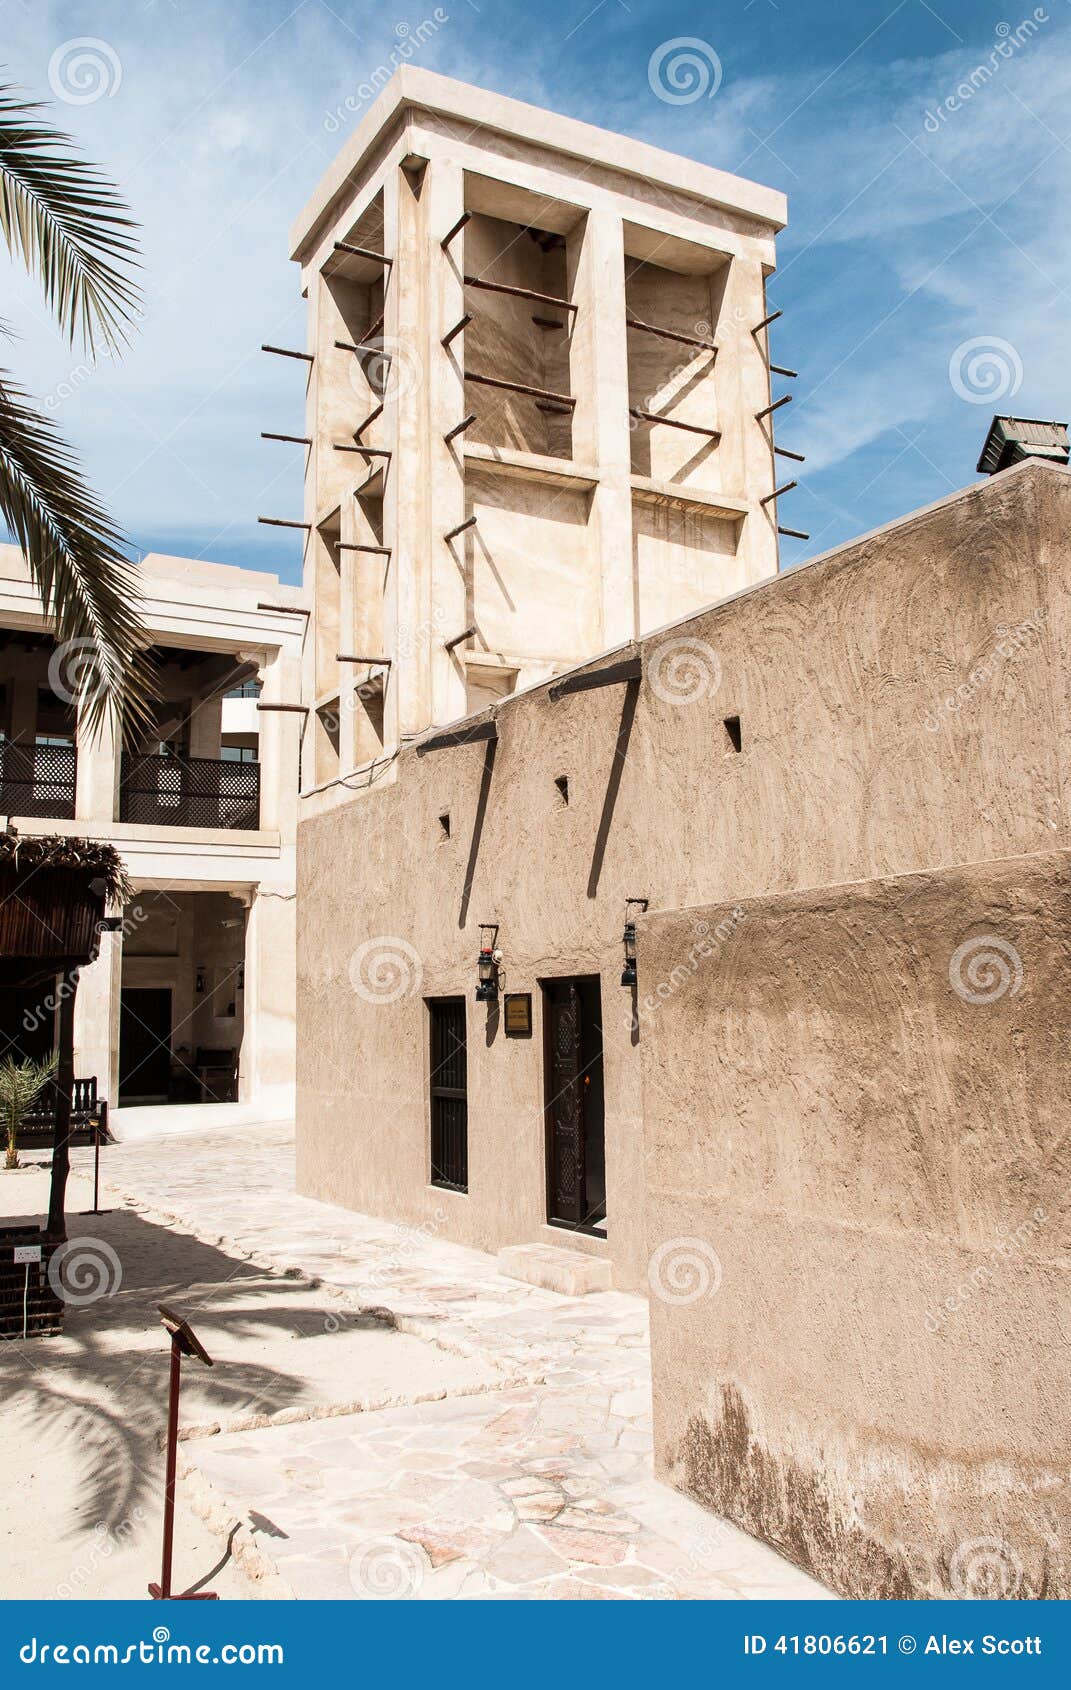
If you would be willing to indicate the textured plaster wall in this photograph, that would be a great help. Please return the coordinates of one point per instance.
(852, 767)
(858, 1218)
(532, 581)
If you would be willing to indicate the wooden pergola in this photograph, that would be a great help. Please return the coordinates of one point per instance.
(54, 891)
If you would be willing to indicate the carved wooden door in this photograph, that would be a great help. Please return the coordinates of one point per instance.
(565, 1103)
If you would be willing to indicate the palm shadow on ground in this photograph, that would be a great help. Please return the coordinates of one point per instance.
(102, 1384)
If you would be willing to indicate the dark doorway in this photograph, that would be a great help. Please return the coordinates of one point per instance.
(575, 1114)
(144, 1044)
(449, 1094)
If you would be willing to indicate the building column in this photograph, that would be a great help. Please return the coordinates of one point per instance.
(268, 1060)
(279, 744)
(444, 199)
(204, 725)
(601, 435)
(96, 1019)
(97, 774)
(407, 523)
(750, 463)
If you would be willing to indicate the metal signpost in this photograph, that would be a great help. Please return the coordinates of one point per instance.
(184, 1342)
(97, 1131)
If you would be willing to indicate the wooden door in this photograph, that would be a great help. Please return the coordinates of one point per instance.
(563, 1025)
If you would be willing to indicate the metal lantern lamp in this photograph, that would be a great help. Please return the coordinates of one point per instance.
(628, 973)
(487, 963)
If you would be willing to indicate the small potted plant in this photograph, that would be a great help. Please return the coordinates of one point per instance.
(20, 1084)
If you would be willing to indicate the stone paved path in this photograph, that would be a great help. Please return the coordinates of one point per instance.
(541, 1488)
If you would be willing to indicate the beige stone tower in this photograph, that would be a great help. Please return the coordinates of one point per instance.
(538, 413)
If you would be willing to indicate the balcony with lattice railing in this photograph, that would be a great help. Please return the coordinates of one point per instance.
(37, 780)
(161, 790)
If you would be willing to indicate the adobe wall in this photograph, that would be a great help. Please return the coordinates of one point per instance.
(853, 767)
(859, 1224)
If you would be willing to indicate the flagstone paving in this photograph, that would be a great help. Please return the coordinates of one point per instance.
(540, 1488)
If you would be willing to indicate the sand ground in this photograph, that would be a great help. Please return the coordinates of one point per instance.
(82, 1414)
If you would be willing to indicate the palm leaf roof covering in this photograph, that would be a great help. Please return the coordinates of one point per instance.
(94, 857)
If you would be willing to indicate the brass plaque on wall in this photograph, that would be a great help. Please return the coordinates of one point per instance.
(517, 1015)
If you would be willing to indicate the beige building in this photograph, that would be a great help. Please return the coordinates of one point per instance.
(192, 1001)
(819, 1113)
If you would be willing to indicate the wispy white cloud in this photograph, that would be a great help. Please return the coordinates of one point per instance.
(903, 243)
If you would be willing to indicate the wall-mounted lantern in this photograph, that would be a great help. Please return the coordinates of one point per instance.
(200, 981)
(628, 973)
(487, 963)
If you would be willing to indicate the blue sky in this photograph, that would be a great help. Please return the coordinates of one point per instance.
(924, 274)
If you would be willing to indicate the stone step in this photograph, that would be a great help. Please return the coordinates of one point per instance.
(572, 1273)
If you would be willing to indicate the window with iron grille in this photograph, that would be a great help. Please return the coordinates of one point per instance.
(449, 1094)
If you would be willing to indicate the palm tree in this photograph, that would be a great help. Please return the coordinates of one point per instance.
(20, 1083)
(68, 225)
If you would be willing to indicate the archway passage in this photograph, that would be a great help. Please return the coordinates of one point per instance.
(182, 998)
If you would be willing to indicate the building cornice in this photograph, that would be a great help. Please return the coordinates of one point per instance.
(413, 90)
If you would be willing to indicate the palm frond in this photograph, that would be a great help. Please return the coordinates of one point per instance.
(68, 224)
(87, 583)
